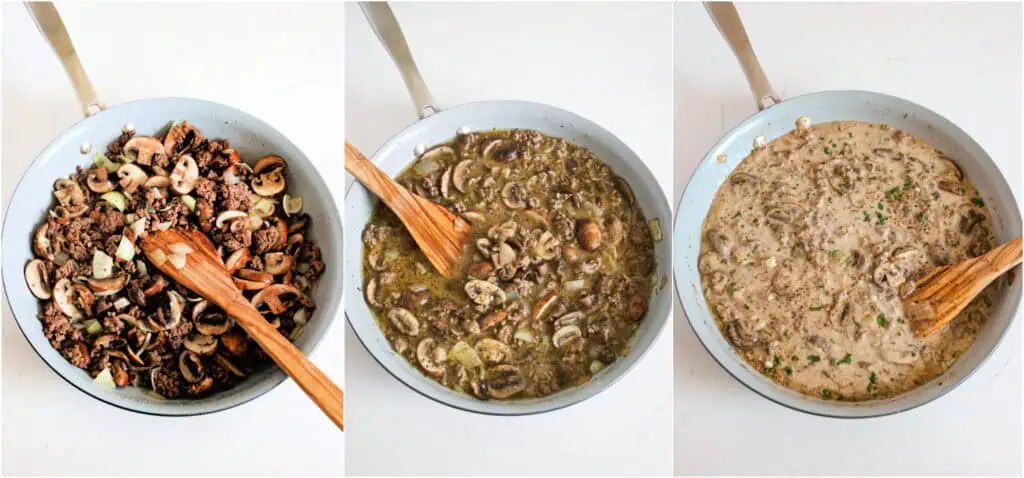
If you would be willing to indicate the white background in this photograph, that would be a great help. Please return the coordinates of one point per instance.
(610, 63)
(963, 61)
(282, 64)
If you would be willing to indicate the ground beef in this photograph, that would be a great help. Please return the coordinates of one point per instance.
(66, 271)
(236, 235)
(109, 221)
(265, 239)
(77, 236)
(204, 211)
(77, 353)
(310, 254)
(206, 189)
(178, 334)
(135, 293)
(176, 214)
(255, 263)
(56, 327)
(112, 325)
(169, 382)
(235, 196)
(115, 148)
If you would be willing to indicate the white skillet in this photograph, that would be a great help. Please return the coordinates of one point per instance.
(250, 136)
(437, 126)
(776, 118)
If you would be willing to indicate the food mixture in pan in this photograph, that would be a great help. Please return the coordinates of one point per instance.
(111, 312)
(812, 241)
(554, 283)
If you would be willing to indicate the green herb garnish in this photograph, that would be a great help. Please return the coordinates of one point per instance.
(848, 358)
(813, 358)
(881, 320)
(816, 308)
(826, 394)
(978, 202)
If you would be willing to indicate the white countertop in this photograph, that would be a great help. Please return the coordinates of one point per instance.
(277, 62)
(610, 63)
(963, 61)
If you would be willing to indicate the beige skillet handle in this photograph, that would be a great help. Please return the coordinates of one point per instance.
(727, 19)
(52, 27)
(385, 25)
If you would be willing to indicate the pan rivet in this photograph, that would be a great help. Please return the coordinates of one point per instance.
(760, 142)
(464, 130)
(85, 147)
(128, 128)
(419, 149)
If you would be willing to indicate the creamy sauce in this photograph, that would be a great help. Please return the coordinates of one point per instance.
(812, 241)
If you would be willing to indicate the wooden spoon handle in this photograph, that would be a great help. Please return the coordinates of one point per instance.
(374, 179)
(310, 378)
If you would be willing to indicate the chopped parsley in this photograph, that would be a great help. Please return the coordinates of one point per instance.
(881, 218)
(871, 381)
(907, 184)
(788, 370)
(813, 358)
(848, 358)
(816, 308)
(828, 150)
(894, 193)
(978, 202)
(732, 290)
(881, 320)
(880, 206)
(935, 195)
(867, 216)
(826, 394)
(738, 213)
(739, 181)
(833, 253)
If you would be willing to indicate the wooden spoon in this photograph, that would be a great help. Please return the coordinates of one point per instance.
(204, 273)
(440, 234)
(946, 290)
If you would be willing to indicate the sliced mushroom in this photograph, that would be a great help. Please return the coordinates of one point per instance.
(98, 180)
(459, 174)
(483, 292)
(503, 381)
(623, 187)
(588, 233)
(236, 343)
(404, 321)
(371, 294)
(282, 231)
(265, 278)
(951, 186)
(210, 323)
(269, 183)
(68, 193)
(719, 242)
(156, 287)
(109, 341)
(637, 307)
(229, 215)
(292, 205)
(543, 305)
(269, 163)
(184, 175)
(41, 241)
(493, 319)
(131, 177)
(446, 180)
(474, 217)
(615, 232)
(431, 356)
(180, 137)
(505, 256)
(277, 263)
(201, 344)
(145, 148)
(228, 365)
(62, 294)
(276, 296)
(108, 286)
(513, 196)
(38, 278)
(237, 260)
(191, 366)
(572, 318)
(547, 247)
(159, 182)
(500, 150)
(566, 334)
(492, 351)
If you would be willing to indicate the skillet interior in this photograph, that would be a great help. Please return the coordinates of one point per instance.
(253, 138)
(836, 106)
(398, 153)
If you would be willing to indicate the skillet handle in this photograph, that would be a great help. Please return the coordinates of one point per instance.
(727, 19)
(52, 27)
(385, 25)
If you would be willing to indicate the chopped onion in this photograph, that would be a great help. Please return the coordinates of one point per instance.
(129, 218)
(105, 380)
(255, 222)
(101, 160)
(574, 285)
(190, 202)
(141, 267)
(596, 366)
(178, 260)
(296, 332)
(156, 193)
(102, 264)
(179, 248)
(465, 355)
(655, 225)
(263, 208)
(93, 327)
(427, 166)
(525, 336)
(139, 226)
(292, 204)
(115, 198)
(121, 303)
(125, 249)
(301, 317)
(163, 226)
(158, 257)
